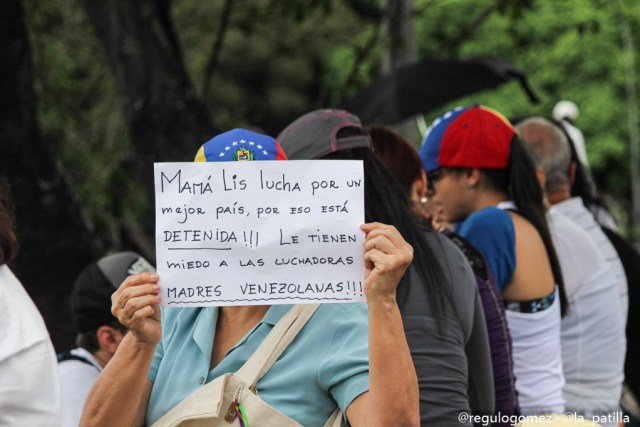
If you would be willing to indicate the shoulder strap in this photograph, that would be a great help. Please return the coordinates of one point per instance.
(63, 357)
(507, 205)
(335, 420)
(475, 258)
(282, 334)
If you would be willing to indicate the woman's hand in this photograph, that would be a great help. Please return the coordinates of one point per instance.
(393, 396)
(386, 257)
(135, 304)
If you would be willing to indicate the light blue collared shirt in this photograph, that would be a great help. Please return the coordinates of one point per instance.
(325, 364)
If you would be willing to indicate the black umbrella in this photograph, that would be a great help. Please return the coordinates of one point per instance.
(428, 84)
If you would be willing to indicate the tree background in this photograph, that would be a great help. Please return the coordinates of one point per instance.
(116, 85)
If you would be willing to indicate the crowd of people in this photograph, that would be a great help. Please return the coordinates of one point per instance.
(493, 289)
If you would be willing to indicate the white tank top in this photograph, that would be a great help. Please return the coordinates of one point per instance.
(537, 357)
(537, 361)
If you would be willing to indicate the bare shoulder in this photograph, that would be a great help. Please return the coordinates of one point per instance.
(533, 277)
(526, 233)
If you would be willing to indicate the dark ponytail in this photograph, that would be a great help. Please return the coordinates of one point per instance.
(386, 202)
(526, 192)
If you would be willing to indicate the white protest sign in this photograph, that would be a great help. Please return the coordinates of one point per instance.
(254, 233)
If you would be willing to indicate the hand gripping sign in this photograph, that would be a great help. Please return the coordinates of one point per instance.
(254, 233)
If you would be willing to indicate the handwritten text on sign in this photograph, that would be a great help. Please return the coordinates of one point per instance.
(268, 232)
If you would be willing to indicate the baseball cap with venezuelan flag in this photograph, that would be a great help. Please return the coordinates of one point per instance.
(240, 145)
(468, 137)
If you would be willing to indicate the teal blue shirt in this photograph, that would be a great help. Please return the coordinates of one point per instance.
(328, 362)
(491, 231)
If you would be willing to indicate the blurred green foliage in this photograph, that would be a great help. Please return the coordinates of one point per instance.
(280, 59)
(79, 110)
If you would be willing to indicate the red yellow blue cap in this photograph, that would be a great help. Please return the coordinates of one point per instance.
(468, 137)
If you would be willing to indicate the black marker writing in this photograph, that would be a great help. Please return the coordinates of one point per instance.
(184, 187)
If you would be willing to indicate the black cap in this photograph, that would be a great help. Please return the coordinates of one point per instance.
(322, 132)
(91, 296)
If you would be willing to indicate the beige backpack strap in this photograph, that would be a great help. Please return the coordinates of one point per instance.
(335, 420)
(282, 334)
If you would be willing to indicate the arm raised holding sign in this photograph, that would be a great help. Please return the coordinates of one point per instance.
(393, 398)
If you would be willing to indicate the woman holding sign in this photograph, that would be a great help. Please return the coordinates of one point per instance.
(330, 362)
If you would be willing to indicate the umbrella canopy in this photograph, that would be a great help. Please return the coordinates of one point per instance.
(428, 84)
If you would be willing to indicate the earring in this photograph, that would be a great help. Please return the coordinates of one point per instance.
(471, 185)
(424, 200)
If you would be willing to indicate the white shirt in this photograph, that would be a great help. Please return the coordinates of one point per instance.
(593, 337)
(76, 379)
(537, 363)
(29, 388)
(575, 211)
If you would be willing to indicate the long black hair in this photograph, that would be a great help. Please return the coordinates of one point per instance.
(521, 184)
(386, 202)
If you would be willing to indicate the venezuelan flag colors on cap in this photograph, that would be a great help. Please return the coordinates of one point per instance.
(240, 145)
(468, 137)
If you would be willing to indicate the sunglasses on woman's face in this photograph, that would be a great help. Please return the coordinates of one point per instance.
(433, 177)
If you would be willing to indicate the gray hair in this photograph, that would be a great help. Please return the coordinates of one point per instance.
(550, 147)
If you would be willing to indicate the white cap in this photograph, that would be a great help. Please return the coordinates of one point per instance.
(566, 110)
